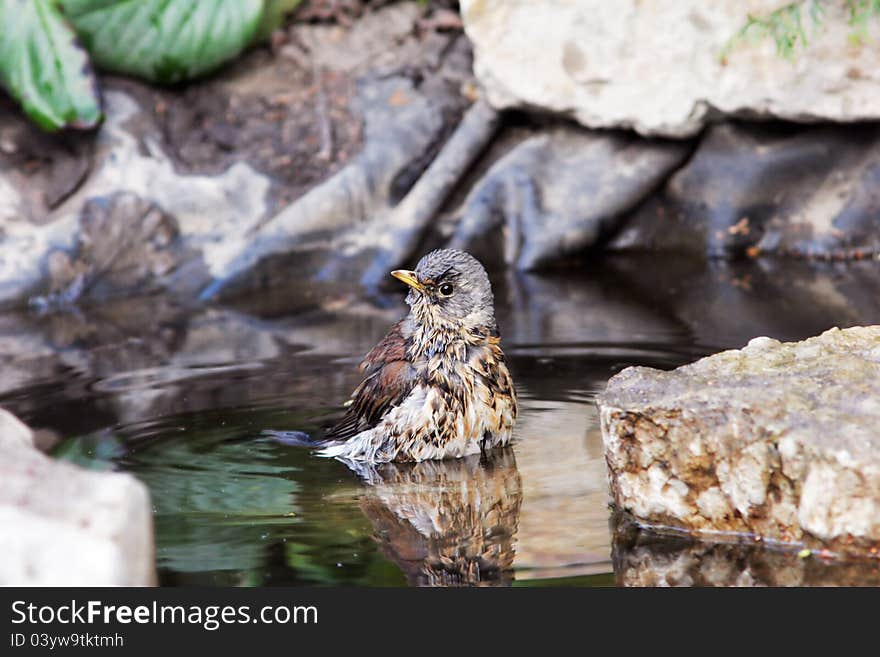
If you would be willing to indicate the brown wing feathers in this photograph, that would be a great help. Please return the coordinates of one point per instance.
(389, 379)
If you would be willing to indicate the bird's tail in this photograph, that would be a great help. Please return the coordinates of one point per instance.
(292, 438)
(333, 448)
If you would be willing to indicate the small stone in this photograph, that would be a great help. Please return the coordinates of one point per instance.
(65, 526)
(7, 144)
(762, 343)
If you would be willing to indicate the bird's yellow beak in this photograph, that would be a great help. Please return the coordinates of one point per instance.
(408, 277)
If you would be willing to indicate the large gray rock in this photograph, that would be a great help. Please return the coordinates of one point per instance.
(559, 192)
(64, 526)
(133, 211)
(753, 189)
(665, 68)
(777, 440)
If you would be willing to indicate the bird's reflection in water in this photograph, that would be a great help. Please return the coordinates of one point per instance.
(446, 523)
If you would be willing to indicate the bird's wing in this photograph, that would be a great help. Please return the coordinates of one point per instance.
(390, 348)
(389, 379)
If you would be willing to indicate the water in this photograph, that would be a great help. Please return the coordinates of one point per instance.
(179, 399)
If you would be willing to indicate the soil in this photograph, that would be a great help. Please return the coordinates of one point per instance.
(49, 166)
(345, 12)
(294, 125)
(288, 117)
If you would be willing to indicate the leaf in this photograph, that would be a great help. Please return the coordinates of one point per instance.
(44, 68)
(164, 40)
(273, 16)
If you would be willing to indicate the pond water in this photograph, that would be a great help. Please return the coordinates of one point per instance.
(179, 398)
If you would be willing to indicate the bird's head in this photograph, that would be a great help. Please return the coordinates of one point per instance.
(450, 290)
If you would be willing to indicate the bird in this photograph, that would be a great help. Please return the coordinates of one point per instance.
(437, 385)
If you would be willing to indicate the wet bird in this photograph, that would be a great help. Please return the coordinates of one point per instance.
(437, 385)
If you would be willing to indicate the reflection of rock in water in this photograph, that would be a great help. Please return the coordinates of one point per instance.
(447, 523)
(645, 558)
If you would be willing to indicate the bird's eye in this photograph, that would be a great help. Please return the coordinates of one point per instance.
(446, 290)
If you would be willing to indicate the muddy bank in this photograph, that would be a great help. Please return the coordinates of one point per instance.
(219, 158)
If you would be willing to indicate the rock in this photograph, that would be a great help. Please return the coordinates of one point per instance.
(668, 68)
(742, 190)
(64, 526)
(353, 149)
(559, 192)
(199, 211)
(757, 189)
(124, 246)
(403, 228)
(776, 440)
(358, 215)
(14, 432)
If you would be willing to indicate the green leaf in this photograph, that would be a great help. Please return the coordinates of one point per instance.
(273, 16)
(43, 67)
(164, 40)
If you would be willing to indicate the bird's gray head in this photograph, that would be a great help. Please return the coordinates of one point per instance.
(450, 289)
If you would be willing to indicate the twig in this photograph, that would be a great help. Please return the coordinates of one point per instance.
(326, 152)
